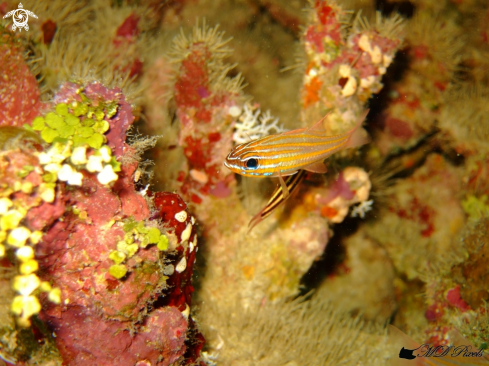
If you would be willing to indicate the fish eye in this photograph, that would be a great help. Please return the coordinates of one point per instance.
(252, 163)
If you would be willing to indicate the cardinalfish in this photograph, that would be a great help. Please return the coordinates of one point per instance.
(287, 153)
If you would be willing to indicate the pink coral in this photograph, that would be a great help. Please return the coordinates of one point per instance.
(203, 103)
(101, 318)
(19, 93)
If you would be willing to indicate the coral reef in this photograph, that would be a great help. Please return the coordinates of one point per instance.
(344, 66)
(94, 245)
(97, 250)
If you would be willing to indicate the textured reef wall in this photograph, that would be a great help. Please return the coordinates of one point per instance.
(100, 237)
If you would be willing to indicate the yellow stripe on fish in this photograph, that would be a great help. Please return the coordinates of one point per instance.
(286, 153)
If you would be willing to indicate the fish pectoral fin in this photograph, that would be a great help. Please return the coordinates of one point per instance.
(317, 167)
(285, 189)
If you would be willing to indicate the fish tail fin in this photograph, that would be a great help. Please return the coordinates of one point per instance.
(358, 136)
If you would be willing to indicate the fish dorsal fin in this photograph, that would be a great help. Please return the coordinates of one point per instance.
(318, 126)
(317, 167)
(291, 132)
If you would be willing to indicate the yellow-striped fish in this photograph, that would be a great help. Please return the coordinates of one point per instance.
(287, 153)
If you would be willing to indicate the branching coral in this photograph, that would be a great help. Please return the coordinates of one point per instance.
(345, 64)
(252, 125)
(205, 102)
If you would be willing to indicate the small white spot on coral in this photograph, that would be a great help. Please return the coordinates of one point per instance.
(25, 285)
(186, 233)
(193, 244)
(376, 55)
(94, 164)
(234, 111)
(169, 270)
(186, 312)
(367, 82)
(144, 191)
(75, 179)
(313, 72)
(364, 43)
(65, 172)
(107, 175)
(44, 158)
(52, 167)
(350, 87)
(25, 253)
(68, 174)
(18, 236)
(105, 153)
(79, 155)
(5, 204)
(181, 216)
(199, 176)
(182, 265)
(192, 220)
(386, 60)
(345, 71)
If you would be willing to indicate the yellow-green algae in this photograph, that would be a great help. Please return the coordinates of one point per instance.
(126, 248)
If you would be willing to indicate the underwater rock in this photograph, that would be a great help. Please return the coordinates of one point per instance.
(86, 337)
(422, 210)
(472, 275)
(417, 98)
(364, 282)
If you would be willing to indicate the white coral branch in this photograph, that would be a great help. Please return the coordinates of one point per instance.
(253, 125)
(362, 209)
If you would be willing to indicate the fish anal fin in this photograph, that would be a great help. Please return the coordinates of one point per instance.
(255, 220)
(316, 167)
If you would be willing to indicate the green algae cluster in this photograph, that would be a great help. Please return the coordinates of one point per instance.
(126, 248)
(72, 126)
(475, 207)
